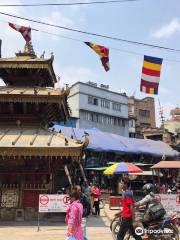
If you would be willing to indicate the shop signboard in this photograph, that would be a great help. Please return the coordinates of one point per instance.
(171, 202)
(53, 202)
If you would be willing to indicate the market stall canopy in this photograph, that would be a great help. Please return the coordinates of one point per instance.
(144, 173)
(108, 142)
(167, 164)
(97, 169)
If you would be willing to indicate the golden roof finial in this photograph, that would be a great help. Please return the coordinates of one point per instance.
(28, 50)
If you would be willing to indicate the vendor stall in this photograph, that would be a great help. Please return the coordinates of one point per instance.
(168, 173)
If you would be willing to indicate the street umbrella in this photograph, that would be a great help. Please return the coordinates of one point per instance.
(122, 167)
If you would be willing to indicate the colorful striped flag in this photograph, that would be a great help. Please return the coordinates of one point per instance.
(25, 31)
(151, 74)
(103, 53)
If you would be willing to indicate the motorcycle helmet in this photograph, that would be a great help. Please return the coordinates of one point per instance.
(147, 188)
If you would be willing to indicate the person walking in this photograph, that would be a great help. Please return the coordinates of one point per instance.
(127, 212)
(96, 199)
(88, 193)
(74, 217)
(86, 207)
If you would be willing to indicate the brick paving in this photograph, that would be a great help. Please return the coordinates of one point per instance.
(98, 229)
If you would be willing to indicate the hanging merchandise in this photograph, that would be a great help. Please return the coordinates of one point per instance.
(151, 75)
(25, 31)
(103, 53)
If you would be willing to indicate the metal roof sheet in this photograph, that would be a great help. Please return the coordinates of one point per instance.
(167, 164)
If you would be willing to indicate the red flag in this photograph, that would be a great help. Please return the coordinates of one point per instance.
(103, 53)
(25, 31)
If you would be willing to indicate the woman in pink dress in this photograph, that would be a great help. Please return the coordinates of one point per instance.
(74, 217)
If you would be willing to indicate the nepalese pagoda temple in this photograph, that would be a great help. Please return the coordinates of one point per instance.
(33, 159)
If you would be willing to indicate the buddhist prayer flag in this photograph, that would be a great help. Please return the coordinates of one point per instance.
(25, 31)
(103, 53)
(151, 74)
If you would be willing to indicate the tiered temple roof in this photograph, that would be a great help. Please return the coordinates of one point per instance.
(29, 104)
(19, 141)
(27, 71)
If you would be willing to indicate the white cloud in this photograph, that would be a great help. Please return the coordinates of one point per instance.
(56, 18)
(163, 91)
(168, 30)
(71, 75)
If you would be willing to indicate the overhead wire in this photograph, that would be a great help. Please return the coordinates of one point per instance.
(66, 4)
(91, 33)
(82, 41)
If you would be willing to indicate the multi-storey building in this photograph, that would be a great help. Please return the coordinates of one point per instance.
(98, 107)
(141, 115)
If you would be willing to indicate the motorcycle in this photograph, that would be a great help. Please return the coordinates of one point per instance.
(163, 229)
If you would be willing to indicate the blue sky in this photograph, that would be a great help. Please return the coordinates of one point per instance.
(151, 21)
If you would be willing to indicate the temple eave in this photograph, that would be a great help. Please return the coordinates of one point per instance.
(40, 152)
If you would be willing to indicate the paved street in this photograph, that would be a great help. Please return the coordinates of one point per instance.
(98, 229)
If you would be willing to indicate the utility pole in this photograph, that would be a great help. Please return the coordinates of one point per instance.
(161, 114)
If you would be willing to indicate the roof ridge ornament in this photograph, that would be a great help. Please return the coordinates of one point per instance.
(28, 51)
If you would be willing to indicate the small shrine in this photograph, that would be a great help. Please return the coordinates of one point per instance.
(32, 157)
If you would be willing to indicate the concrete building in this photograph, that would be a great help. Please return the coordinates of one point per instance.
(169, 131)
(173, 124)
(141, 115)
(98, 107)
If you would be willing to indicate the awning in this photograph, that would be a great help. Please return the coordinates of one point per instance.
(144, 173)
(108, 142)
(167, 164)
(97, 169)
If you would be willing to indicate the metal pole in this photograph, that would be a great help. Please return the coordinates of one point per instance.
(68, 175)
(38, 223)
(82, 172)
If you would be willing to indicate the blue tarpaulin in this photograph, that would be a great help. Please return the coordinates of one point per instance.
(108, 142)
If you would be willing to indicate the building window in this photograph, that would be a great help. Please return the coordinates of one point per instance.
(145, 125)
(105, 103)
(123, 123)
(130, 108)
(119, 122)
(108, 120)
(92, 100)
(115, 121)
(86, 116)
(144, 113)
(100, 118)
(95, 117)
(116, 106)
(132, 123)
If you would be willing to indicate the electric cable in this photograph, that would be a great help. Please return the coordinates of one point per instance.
(66, 4)
(91, 33)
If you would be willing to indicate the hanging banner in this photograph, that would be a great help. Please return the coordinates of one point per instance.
(53, 203)
(151, 75)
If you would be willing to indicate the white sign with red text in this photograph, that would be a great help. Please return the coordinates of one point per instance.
(171, 202)
(53, 203)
